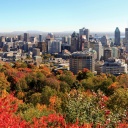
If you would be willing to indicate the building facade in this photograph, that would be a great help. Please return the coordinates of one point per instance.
(80, 60)
(26, 37)
(107, 53)
(99, 49)
(74, 42)
(117, 37)
(54, 46)
(114, 66)
(84, 31)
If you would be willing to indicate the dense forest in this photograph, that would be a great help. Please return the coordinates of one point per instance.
(36, 97)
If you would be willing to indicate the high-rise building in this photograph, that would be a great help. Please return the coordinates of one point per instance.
(2, 39)
(80, 60)
(126, 39)
(74, 42)
(99, 49)
(36, 52)
(33, 39)
(19, 37)
(50, 36)
(107, 53)
(114, 66)
(69, 40)
(26, 37)
(84, 31)
(115, 52)
(40, 38)
(117, 37)
(83, 43)
(64, 39)
(42, 46)
(126, 35)
(54, 46)
(104, 41)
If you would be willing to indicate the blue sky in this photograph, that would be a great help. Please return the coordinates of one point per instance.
(63, 15)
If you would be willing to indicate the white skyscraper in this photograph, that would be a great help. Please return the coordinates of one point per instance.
(99, 49)
(69, 40)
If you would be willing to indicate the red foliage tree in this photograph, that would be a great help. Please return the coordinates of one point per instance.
(8, 119)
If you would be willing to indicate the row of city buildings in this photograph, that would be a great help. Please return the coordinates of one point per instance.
(82, 50)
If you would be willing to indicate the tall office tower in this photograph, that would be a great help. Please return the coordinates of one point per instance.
(107, 53)
(33, 39)
(117, 37)
(74, 42)
(80, 60)
(19, 37)
(50, 35)
(54, 46)
(27, 46)
(99, 49)
(2, 39)
(126, 34)
(115, 52)
(69, 40)
(126, 39)
(64, 39)
(26, 37)
(83, 43)
(42, 46)
(36, 52)
(40, 38)
(84, 31)
(104, 41)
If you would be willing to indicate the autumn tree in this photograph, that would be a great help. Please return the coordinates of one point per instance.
(67, 77)
(47, 92)
(8, 118)
(84, 74)
(4, 84)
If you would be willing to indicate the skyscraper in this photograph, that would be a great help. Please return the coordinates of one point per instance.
(84, 31)
(74, 42)
(126, 38)
(126, 35)
(104, 40)
(99, 49)
(54, 46)
(80, 60)
(107, 53)
(40, 38)
(69, 40)
(19, 37)
(117, 37)
(26, 37)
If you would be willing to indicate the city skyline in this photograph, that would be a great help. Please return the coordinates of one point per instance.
(63, 15)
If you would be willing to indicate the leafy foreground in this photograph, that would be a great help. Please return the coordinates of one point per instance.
(36, 97)
(10, 119)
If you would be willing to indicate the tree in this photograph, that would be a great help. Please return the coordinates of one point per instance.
(8, 107)
(83, 108)
(119, 100)
(84, 74)
(67, 77)
(53, 83)
(4, 84)
(122, 80)
(64, 87)
(35, 98)
(47, 92)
